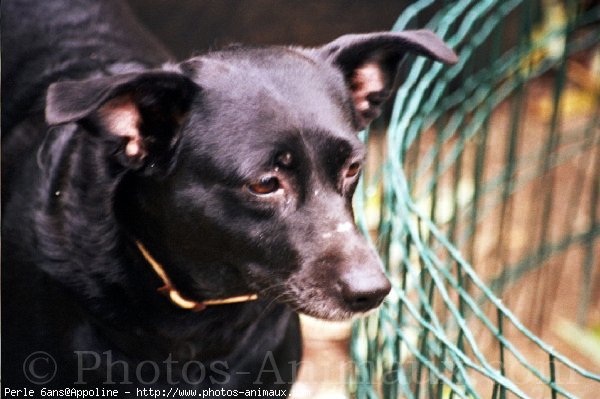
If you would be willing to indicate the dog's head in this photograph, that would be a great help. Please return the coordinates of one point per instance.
(241, 165)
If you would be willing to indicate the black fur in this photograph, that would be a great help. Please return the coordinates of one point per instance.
(125, 146)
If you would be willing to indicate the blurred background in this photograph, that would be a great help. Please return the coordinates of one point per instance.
(482, 194)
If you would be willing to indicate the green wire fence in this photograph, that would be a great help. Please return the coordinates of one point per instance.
(486, 210)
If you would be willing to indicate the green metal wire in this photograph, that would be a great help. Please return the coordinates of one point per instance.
(429, 339)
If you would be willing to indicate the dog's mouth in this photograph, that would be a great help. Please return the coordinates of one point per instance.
(335, 303)
(328, 309)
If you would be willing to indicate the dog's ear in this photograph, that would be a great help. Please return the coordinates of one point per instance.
(370, 62)
(143, 111)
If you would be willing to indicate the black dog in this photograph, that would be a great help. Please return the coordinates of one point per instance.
(146, 204)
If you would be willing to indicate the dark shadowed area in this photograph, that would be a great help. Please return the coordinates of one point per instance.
(194, 26)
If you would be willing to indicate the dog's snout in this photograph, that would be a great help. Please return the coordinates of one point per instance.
(362, 293)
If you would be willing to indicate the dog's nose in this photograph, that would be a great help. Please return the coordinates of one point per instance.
(362, 293)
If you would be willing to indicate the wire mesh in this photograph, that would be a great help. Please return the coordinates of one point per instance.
(486, 209)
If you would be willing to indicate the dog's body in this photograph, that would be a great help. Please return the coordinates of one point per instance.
(235, 170)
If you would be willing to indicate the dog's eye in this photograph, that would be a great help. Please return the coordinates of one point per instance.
(266, 185)
(353, 169)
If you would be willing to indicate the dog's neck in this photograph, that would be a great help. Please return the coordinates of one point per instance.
(97, 237)
(169, 289)
(69, 239)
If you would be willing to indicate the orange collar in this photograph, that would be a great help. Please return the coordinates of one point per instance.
(176, 297)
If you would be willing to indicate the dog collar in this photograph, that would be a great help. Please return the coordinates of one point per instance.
(174, 295)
